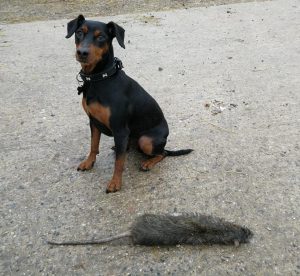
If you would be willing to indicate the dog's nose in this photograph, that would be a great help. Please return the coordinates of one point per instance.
(82, 52)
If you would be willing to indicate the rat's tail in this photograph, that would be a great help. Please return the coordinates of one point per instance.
(92, 242)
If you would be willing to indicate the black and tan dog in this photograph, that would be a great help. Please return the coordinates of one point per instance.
(116, 104)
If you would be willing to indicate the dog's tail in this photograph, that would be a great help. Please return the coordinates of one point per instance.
(177, 152)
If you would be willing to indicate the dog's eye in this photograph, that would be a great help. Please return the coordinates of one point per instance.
(100, 38)
(79, 34)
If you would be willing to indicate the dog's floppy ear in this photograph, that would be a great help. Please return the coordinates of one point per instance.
(74, 24)
(116, 31)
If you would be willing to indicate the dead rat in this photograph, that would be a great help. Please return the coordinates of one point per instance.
(166, 229)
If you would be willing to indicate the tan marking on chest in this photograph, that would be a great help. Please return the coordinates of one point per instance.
(99, 112)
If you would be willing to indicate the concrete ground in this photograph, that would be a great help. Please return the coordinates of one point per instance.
(229, 87)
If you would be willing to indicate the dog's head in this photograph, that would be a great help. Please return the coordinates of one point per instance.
(93, 40)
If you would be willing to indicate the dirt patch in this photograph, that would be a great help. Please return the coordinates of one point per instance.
(25, 11)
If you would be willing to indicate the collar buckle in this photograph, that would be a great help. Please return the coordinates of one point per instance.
(119, 64)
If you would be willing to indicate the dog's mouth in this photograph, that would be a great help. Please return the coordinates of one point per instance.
(82, 60)
(86, 65)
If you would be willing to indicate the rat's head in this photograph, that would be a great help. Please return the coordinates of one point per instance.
(93, 40)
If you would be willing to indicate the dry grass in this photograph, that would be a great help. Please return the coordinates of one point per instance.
(14, 11)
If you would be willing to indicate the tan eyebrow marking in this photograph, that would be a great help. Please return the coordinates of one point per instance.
(97, 33)
(85, 29)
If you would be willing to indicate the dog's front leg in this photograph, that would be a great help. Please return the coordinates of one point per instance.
(121, 142)
(95, 139)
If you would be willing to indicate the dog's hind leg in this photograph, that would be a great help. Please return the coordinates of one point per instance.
(154, 147)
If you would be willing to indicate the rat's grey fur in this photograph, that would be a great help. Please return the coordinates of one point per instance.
(165, 229)
(191, 229)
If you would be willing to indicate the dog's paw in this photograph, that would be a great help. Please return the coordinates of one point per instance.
(145, 167)
(86, 165)
(114, 186)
